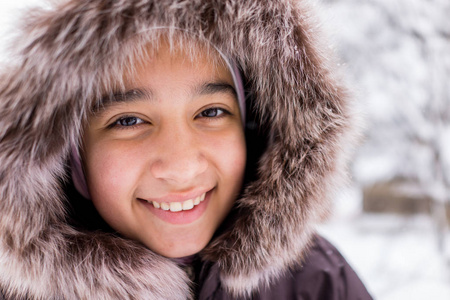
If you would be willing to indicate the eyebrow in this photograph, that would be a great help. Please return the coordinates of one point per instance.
(136, 94)
(120, 97)
(215, 87)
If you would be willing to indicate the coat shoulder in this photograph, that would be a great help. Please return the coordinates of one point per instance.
(323, 274)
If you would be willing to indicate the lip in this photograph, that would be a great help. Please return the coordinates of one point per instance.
(181, 217)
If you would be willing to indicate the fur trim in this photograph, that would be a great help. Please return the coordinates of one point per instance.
(64, 54)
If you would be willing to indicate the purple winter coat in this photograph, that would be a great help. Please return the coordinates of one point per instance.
(324, 275)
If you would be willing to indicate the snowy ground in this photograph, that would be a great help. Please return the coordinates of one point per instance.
(397, 257)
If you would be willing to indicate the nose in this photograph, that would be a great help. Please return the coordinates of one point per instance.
(179, 157)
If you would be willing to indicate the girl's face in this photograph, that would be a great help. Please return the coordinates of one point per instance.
(164, 161)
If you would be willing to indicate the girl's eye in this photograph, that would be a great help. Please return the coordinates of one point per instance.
(213, 112)
(127, 122)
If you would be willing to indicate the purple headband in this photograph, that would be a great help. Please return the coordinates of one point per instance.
(78, 177)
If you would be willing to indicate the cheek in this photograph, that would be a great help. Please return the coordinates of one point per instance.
(110, 173)
(229, 159)
(229, 152)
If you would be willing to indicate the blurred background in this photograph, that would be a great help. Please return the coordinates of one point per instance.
(392, 222)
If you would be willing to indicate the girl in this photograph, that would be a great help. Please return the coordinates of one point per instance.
(171, 150)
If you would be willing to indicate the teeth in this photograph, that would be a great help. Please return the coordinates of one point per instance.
(189, 204)
(179, 206)
(176, 206)
(165, 206)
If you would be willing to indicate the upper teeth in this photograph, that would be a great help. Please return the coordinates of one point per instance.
(179, 206)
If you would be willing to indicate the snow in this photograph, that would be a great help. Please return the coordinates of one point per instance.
(396, 56)
(397, 257)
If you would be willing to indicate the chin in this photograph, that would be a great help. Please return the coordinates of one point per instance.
(181, 249)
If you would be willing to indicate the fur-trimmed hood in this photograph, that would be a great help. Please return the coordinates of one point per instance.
(63, 54)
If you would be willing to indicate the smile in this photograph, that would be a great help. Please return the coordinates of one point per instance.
(179, 206)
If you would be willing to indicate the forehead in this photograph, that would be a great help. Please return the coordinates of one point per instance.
(165, 55)
(192, 60)
(197, 68)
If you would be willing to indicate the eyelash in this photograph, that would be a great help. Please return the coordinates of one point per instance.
(139, 121)
(117, 125)
(219, 116)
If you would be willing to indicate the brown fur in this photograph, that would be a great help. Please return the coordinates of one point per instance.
(64, 55)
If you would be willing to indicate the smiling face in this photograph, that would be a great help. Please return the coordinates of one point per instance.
(164, 160)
